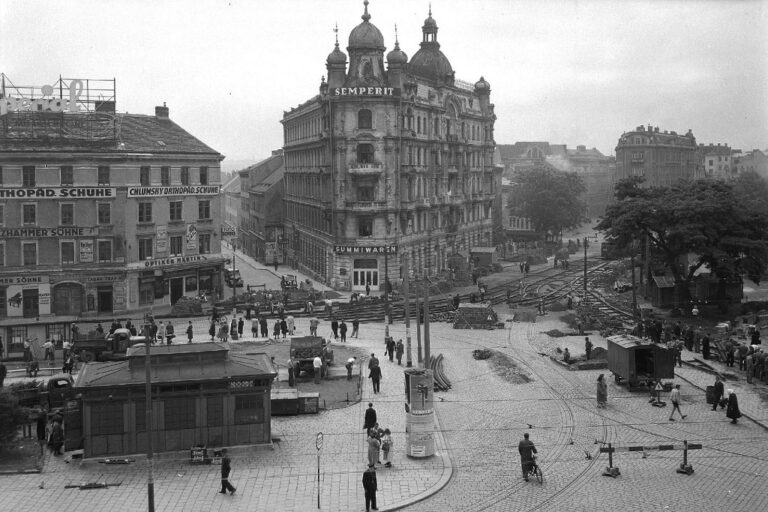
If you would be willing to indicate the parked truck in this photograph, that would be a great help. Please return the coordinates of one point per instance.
(50, 392)
(93, 347)
(304, 349)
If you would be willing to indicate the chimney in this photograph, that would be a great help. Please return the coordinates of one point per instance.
(161, 112)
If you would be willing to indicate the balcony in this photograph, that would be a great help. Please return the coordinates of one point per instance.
(423, 202)
(366, 206)
(361, 169)
(453, 169)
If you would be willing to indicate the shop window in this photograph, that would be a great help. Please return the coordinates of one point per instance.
(146, 294)
(67, 214)
(109, 419)
(29, 213)
(364, 153)
(364, 119)
(1, 174)
(105, 250)
(190, 284)
(2, 254)
(28, 176)
(215, 406)
(145, 248)
(249, 409)
(179, 413)
(67, 252)
(176, 245)
(3, 305)
(29, 253)
(204, 243)
(165, 176)
(365, 226)
(145, 176)
(204, 209)
(103, 175)
(145, 212)
(185, 175)
(206, 283)
(56, 333)
(104, 213)
(175, 210)
(2, 214)
(67, 176)
(203, 175)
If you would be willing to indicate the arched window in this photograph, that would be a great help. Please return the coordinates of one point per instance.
(364, 119)
(364, 154)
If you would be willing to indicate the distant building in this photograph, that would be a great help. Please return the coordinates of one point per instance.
(262, 211)
(230, 205)
(202, 394)
(715, 162)
(385, 162)
(753, 161)
(662, 158)
(100, 212)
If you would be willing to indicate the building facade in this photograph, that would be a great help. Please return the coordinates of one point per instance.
(262, 214)
(662, 158)
(715, 162)
(393, 157)
(752, 161)
(100, 212)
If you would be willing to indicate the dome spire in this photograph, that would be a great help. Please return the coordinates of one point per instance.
(336, 30)
(397, 43)
(365, 15)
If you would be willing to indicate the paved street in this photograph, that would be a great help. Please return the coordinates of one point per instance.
(476, 467)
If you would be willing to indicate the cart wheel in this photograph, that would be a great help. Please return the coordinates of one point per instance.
(538, 473)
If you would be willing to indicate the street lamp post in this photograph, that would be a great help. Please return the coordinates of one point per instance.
(408, 359)
(234, 284)
(148, 413)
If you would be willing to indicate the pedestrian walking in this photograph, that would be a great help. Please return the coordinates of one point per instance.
(367, 288)
(386, 447)
(370, 417)
(719, 390)
(276, 329)
(291, 324)
(335, 328)
(153, 331)
(730, 353)
(264, 327)
(674, 397)
(223, 332)
(48, 346)
(526, 449)
(233, 328)
(169, 333)
(28, 350)
(240, 326)
(399, 351)
(350, 364)
(732, 410)
(226, 472)
(212, 330)
(750, 366)
(161, 332)
(56, 441)
(317, 365)
(284, 327)
(313, 323)
(190, 334)
(602, 391)
(66, 347)
(374, 444)
(587, 348)
(343, 331)
(375, 377)
(391, 347)
(355, 328)
(370, 486)
(373, 361)
(41, 425)
(705, 346)
(255, 328)
(3, 373)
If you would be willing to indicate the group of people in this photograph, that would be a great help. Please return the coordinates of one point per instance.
(379, 447)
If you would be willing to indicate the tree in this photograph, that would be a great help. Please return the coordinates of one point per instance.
(12, 416)
(705, 218)
(550, 198)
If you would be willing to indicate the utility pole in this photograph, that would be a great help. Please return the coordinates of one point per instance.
(418, 320)
(408, 359)
(148, 413)
(585, 267)
(234, 284)
(426, 323)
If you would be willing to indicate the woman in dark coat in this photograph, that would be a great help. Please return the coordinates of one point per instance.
(732, 411)
(57, 438)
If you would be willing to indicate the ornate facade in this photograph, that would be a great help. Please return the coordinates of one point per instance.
(663, 158)
(392, 157)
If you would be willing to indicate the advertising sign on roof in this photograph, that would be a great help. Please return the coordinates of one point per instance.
(198, 190)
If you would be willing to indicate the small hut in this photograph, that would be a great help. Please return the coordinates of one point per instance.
(478, 315)
(662, 291)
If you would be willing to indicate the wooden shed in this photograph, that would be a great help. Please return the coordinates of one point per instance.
(636, 361)
(201, 395)
(483, 256)
(662, 290)
(478, 315)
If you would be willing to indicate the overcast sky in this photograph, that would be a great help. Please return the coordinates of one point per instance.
(573, 72)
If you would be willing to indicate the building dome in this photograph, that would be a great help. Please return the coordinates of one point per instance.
(397, 56)
(429, 62)
(366, 35)
(337, 56)
(482, 86)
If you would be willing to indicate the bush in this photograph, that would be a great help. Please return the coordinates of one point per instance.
(12, 416)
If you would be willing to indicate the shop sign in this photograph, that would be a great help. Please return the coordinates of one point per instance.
(372, 249)
(167, 262)
(58, 193)
(86, 251)
(107, 278)
(191, 237)
(11, 104)
(46, 232)
(366, 91)
(161, 242)
(23, 280)
(201, 190)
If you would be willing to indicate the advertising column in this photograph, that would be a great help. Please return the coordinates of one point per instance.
(420, 413)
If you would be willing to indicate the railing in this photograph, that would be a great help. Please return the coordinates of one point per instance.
(366, 205)
(362, 168)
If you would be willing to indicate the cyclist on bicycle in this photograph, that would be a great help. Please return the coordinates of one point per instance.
(526, 449)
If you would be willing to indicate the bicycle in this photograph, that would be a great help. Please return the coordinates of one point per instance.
(534, 471)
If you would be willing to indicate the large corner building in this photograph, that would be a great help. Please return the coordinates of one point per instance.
(393, 157)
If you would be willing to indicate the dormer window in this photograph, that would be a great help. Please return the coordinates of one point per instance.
(364, 119)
